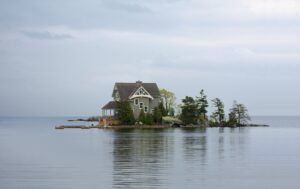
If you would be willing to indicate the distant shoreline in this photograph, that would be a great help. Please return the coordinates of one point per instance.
(89, 119)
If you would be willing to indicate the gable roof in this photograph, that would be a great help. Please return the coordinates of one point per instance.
(126, 89)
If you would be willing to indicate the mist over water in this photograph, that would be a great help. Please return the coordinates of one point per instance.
(35, 155)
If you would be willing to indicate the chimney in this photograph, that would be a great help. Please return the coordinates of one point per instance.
(139, 82)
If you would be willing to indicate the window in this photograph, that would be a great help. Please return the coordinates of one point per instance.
(141, 105)
(146, 109)
(136, 101)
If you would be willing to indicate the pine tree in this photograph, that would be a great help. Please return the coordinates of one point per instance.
(218, 115)
(189, 114)
(241, 113)
(125, 113)
(232, 121)
(202, 106)
(157, 115)
(142, 117)
(162, 109)
(149, 119)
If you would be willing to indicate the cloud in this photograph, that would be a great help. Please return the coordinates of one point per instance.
(46, 35)
(128, 6)
(246, 46)
(274, 8)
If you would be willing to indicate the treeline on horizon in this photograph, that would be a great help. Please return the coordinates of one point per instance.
(192, 111)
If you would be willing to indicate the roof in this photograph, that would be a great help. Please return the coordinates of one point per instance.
(110, 105)
(126, 89)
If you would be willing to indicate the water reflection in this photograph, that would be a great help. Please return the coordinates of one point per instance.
(231, 142)
(34, 155)
(199, 145)
(141, 157)
(146, 157)
(195, 144)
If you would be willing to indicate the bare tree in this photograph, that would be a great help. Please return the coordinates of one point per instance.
(169, 99)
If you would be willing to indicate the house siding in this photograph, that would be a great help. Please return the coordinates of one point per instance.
(151, 104)
(154, 103)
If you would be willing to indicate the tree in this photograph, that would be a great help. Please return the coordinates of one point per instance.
(178, 110)
(149, 119)
(169, 99)
(218, 115)
(157, 115)
(202, 104)
(240, 112)
(232, 121)
(189, 110)
(162, 109)
(142, 117)
(172, 112)
(125, 113)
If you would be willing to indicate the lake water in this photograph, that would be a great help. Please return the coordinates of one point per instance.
(34, 155)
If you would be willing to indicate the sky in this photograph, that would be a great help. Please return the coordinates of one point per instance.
(62, 58)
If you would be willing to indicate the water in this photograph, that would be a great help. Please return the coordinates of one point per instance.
(35, 155)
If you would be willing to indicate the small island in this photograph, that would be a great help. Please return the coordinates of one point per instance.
(144, 105)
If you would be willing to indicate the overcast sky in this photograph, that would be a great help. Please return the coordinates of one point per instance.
(62, 58)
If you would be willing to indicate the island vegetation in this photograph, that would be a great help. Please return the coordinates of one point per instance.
(191, 111)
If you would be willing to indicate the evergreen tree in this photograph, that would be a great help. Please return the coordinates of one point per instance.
(142, 117)
(162, 109)
(149, 119)
(189, 112)
(125, 113)
(202, 106)
(241, 113)
(157, 115)
(232, 121)
(218, 116)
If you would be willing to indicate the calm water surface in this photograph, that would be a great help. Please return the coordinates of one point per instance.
(35, 155)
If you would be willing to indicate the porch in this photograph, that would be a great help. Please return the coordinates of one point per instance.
(109, 110)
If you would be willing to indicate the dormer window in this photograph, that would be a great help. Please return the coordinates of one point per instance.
(136, 101)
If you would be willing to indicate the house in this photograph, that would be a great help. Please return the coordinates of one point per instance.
(141, 96)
